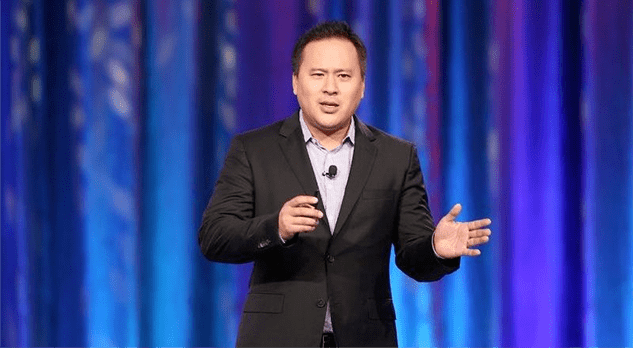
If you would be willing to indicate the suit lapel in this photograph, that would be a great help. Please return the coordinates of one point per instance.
(362, 163)
(294, 149)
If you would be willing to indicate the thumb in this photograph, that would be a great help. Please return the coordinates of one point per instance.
(452, 215)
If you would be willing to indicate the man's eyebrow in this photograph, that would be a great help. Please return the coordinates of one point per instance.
(335, 71)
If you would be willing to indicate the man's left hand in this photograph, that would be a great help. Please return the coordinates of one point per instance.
(453, 239)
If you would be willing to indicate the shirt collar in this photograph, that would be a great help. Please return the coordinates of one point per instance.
(307, 135)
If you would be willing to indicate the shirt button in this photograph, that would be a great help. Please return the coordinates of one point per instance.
(320, 303)
(330, 258)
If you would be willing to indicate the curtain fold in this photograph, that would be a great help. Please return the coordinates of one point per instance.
(466, 164)
(169, 161)
(608, 172)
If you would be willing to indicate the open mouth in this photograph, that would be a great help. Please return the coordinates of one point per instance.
(329, 106)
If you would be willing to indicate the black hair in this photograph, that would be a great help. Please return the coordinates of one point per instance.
(326, 30)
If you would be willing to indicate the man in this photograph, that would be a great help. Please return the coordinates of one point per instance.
(317, 200)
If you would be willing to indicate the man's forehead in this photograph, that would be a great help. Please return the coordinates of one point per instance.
(323, 49)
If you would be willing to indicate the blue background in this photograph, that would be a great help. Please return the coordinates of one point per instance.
(116, 117)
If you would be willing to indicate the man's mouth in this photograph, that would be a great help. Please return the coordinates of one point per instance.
(328, 106)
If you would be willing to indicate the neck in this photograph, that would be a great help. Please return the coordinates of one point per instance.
(330, 139)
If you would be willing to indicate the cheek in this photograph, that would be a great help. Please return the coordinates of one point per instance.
(309, 89)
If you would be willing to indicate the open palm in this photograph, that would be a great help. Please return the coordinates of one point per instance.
(453, 238)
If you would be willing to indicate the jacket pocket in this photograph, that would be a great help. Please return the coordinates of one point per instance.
(264, 303)
(381, 309)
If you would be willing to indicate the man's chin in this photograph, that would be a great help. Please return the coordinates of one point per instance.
(332, 128)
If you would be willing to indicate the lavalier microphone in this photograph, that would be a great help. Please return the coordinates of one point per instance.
(331, 172)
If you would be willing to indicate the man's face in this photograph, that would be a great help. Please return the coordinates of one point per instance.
(328, 84)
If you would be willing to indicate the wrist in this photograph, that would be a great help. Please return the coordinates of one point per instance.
(433, 246)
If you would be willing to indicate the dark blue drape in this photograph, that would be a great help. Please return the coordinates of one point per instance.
(117, 115)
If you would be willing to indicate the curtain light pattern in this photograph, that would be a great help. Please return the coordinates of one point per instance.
(532, 144)
(108, 168)
(169, 161)
(117, 115)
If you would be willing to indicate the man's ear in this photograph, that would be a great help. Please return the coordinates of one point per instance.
(363, 94)
(294, 84)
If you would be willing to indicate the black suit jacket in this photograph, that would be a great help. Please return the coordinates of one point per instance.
(385, 204)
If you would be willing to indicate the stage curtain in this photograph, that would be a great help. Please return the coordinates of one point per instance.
(117, 115)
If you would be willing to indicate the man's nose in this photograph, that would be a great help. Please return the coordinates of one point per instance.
(330, 86)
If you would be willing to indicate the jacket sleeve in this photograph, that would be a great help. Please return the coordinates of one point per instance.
(413, 240)
(229, 231)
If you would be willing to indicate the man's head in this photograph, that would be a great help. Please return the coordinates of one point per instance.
(328, 77)
(327, 30)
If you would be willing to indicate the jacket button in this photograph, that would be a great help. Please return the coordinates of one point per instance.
(330, 258)
(320, 303)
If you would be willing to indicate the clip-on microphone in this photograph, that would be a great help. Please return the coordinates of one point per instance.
(331, 172)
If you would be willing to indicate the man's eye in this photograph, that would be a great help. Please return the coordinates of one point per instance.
(345, 76)
(317, 74)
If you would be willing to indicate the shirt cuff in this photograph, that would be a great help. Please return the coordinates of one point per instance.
(283, 241)
(432, 246)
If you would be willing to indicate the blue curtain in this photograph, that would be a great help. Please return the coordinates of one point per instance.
(117, 115)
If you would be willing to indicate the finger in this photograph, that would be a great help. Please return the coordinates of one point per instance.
(472, 252)
(302, 200)
(477, 224)
(300, 229)
(306, 212)
(304, 221)
(457, 208)
(479, 233)
(297, 225)
(477, 241)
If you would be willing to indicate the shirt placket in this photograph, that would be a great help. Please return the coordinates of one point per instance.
(329, 189)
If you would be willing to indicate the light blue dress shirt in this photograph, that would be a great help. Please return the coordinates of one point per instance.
(332, 189)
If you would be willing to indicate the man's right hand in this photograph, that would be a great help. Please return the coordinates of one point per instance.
(298, 215)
